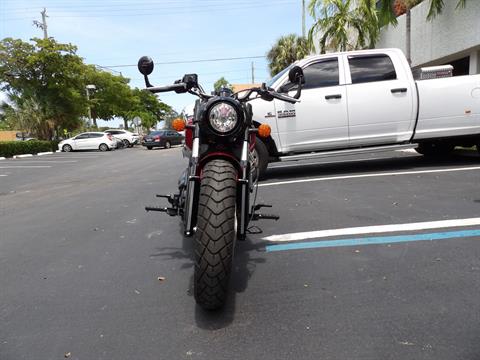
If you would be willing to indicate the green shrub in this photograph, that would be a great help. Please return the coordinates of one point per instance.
(11, 148)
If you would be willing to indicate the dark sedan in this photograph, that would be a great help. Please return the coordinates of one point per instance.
(162, 138)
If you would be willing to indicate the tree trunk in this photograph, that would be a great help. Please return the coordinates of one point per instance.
(125, 124)
(94, 122)
(408, 36)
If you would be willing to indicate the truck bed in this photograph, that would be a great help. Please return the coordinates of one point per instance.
(448, 107)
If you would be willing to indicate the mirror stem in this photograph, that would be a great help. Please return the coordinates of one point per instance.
(147, 83)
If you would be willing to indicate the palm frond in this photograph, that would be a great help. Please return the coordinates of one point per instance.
(436, 7)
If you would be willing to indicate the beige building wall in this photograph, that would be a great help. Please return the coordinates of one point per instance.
(7, 135)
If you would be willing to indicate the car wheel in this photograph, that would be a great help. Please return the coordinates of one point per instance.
(103, 147)
(126, 143)
(168, 145)
(149, 147)
(67, 148)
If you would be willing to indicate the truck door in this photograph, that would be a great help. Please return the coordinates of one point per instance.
(320, 120)
(380, 100)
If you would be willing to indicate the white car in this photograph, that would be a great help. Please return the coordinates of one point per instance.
(129, 139)
(88, 141)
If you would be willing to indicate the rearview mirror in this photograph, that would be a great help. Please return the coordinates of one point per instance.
(295, 75)
(145, 65)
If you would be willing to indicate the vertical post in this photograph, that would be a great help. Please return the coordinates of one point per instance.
(303, 18)
(253, 74)
(89, 110)
(44, 23)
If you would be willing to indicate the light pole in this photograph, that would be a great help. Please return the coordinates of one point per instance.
(88, 88)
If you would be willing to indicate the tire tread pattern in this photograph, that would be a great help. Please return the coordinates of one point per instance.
(215, 235)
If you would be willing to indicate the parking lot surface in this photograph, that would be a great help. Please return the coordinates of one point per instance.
(374, 257)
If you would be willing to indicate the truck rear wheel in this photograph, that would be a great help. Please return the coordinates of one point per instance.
(215, 235)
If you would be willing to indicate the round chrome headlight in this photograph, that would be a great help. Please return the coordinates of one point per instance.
(223, 117)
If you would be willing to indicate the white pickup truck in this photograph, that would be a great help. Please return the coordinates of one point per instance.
(361, 101)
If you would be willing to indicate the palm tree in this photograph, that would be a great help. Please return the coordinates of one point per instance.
(286, 50)
(344, 24)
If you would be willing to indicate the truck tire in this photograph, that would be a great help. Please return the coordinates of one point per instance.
(435, 149)
(215, 236)
(260, 158)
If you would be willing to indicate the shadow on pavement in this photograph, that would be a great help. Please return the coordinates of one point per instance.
(244, 265)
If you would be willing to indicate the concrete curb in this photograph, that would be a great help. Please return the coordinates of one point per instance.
(2, 158)
(22, 156)
(45, 153)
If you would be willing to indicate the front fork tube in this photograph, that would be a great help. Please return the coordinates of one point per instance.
(243, 189)
(193, 185)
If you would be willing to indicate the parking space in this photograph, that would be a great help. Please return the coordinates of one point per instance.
(374, 257)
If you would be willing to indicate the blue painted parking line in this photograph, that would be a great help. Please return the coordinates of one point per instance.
(373, 240)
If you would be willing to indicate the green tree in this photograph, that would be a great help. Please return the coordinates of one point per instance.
(112, 96)
(222, 83)
(47, 75)
(285, 51)
(145, 105)
(342, 25)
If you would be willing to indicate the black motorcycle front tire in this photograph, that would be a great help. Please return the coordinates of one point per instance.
(215, 235)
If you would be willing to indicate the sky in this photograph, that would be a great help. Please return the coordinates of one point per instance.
(114, 33)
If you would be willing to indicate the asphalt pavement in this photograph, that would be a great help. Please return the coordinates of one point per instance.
(87, 274)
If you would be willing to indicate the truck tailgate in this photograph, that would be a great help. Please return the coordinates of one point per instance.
(448, 107)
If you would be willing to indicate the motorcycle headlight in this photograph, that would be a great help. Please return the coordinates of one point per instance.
(223, 117)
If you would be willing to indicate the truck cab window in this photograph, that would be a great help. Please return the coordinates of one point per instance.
(371, 68)
(321, 74)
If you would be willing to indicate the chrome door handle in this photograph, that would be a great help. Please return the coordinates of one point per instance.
(330, 97)
(399, 90)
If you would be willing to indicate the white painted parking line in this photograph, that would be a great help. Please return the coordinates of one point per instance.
(3, 175)
(428, 225)
(43, 161)
(398, 173)
(25, 167)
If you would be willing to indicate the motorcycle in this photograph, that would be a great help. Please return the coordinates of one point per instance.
(215, 191)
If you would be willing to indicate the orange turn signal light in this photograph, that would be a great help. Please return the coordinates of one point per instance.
(178, 124)
(264, 130)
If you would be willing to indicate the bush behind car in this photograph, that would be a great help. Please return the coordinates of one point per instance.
(12, 148)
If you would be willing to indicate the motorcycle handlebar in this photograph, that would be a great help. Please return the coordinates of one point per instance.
(175, 87)
(286, 98)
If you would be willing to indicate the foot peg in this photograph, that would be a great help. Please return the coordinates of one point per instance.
(259, 206)
(172, 199)
(169, 211)
(256, 217)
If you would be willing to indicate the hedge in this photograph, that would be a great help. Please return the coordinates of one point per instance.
(11, 148)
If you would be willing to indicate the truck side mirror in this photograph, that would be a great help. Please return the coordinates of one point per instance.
(295, 75)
